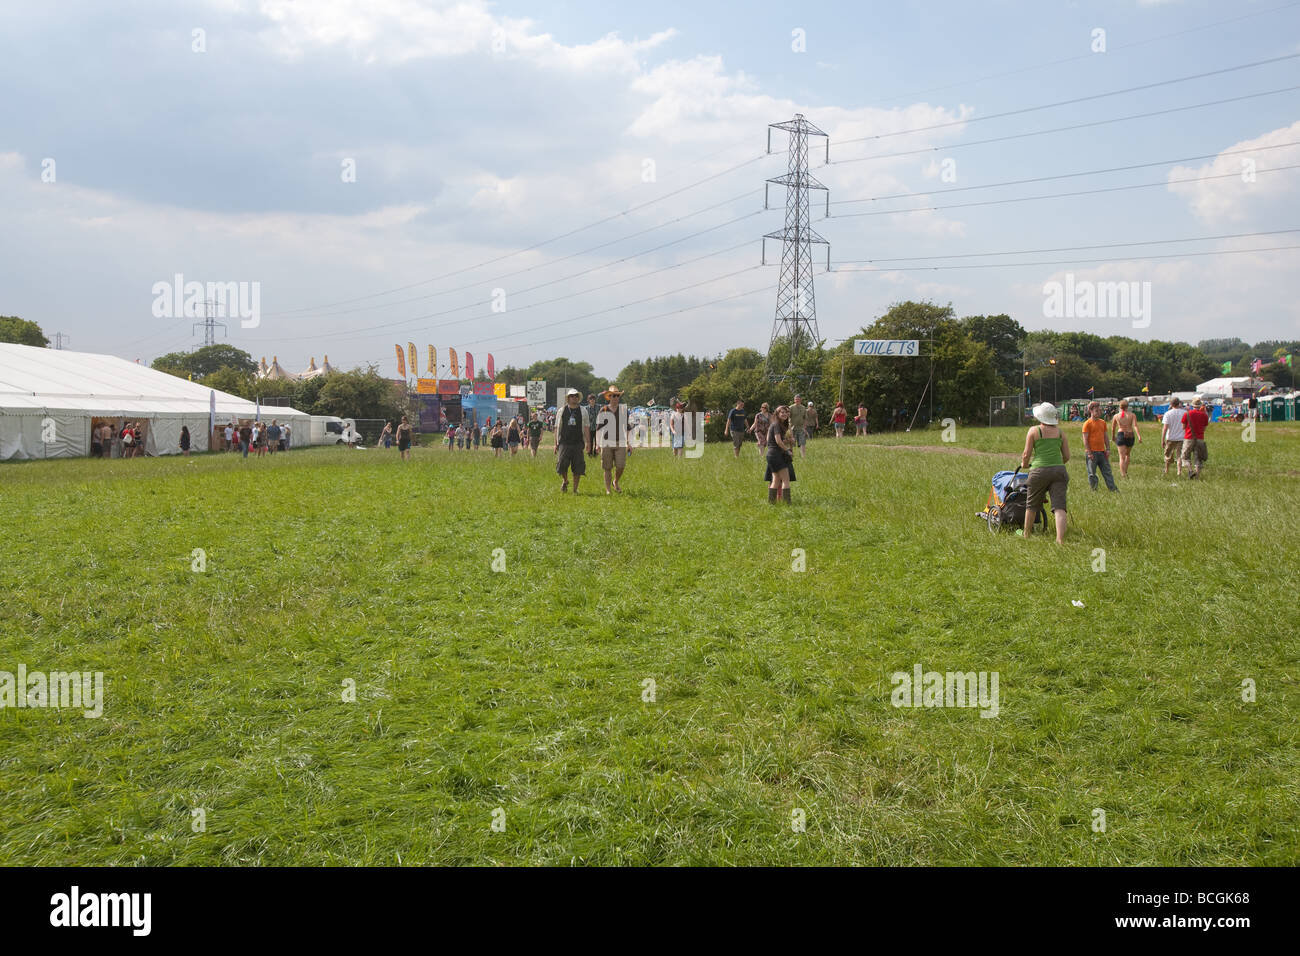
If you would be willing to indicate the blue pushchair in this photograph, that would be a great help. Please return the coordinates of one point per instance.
(1008, 501)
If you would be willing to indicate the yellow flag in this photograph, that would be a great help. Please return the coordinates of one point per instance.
(415, 364)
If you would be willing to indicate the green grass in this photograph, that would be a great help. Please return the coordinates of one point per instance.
(523, 690)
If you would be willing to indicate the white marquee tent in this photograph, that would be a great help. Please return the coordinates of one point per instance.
(49, 397)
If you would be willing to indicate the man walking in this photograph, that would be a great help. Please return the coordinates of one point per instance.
(572, 437)
(1171, 435)
(736, 425)
(1194, 450)
(590, 411)
(798, 421)
(611, 438)
(1096, 445)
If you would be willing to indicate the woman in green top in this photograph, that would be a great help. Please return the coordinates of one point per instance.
(1046, 452)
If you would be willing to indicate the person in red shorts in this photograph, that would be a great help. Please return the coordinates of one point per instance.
(1195, 453)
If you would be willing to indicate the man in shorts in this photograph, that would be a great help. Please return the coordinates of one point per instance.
(798, 421)
(736, 425)
(591, 410)
(1171, 435)
(534, 433)
(612, 438)
(572, 436)
(1194, 451)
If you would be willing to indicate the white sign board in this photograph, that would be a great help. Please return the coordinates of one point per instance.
(517, 391)
(903, 348)
(536, 394)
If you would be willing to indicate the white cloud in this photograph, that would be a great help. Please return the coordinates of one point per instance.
(1234, 197)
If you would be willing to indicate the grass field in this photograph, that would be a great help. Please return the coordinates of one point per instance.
(523, 690)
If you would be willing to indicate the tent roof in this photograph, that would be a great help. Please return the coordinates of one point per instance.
(33, 379)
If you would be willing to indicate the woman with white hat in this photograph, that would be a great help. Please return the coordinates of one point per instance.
(1046, 452)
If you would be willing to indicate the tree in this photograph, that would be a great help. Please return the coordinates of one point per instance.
(1005, 337)
(360, 393)
(204, 361)
(232, 380)
(21, 332)
(559, 372)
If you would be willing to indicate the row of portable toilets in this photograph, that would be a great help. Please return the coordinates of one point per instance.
(1279, 408)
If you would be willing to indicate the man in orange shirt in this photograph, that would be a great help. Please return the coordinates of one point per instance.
(1096, 443)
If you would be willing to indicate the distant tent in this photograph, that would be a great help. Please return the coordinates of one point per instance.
(311, 371)
(49, 399)
(273, 371)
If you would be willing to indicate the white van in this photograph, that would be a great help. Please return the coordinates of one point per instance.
(331, 430)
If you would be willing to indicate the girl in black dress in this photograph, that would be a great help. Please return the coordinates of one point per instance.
(185, 440)
(780, 460)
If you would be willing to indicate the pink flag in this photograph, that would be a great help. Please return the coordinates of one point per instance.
(469, 366)
(492, 367)
(1255, 366)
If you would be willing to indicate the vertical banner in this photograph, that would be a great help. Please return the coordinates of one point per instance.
(455, 365)
(401, 361)
(212, 413)
(415, 364)
(433, 362)
(492, 367)
(469, 366)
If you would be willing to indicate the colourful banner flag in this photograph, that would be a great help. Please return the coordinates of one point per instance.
(453, 364)
(1146, 389)
(1092, 390)
(415, 362)
(1227, 368)
(1286, 360)
(499, 389)
(1255, 367)
(401, 361)
(492, 367)
(469, 366)
(433, 362)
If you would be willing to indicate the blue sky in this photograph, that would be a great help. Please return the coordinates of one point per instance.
(478, 131)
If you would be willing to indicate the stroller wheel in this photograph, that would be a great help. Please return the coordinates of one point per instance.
(995, 521)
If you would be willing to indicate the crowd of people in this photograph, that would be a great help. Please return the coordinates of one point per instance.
(1047, 450)
(258, 437)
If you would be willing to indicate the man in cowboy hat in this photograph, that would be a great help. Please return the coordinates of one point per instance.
(1194, 451)
(612, 438)
(571, 436)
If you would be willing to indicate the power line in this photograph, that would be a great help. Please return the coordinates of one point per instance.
(1065, 262)
(1090, 172)
(1088, 56)
(534, 246)
(1081, 192)
(1104, 245)
(573, 255)
(1075, 100)
(1064, 129)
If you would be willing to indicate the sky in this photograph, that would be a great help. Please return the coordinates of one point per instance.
(587, 179)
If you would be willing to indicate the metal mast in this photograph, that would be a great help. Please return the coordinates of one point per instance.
(796, 305)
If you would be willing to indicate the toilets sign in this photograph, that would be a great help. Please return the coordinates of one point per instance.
(902, 348)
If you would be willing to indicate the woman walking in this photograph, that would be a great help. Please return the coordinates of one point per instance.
(1046, 452)
(185, 440)
(1124, 430)
(386, 436)
(512, 436)
(780, 460)
(861, 420)
(497, 440)
(404, 439)
(839, 418)
(677, 429)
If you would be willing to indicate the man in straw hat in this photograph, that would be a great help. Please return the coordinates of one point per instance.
(1046, 452)
(612, 438)
(1194, 451)
(571, 436)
